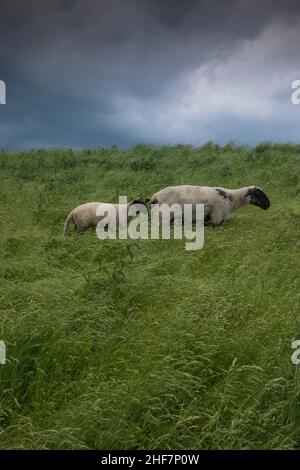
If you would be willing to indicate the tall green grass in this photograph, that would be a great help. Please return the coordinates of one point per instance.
(140, 344)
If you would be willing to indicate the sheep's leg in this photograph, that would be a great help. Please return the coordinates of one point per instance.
(217, 218)
(214, 226)
(80, 230)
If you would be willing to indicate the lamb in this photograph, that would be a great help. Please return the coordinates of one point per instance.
(219, 203)
(85, 216)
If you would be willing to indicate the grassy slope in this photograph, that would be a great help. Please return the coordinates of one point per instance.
(140, 344)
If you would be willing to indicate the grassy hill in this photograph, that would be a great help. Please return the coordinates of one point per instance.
(140, 344)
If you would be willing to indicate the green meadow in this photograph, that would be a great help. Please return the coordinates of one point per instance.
(141, 344)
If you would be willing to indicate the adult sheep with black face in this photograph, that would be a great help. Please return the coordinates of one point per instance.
(219, 203)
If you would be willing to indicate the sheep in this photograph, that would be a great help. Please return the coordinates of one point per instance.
(85, 216)
(219, 203)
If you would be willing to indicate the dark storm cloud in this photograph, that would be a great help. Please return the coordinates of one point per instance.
(90, 73)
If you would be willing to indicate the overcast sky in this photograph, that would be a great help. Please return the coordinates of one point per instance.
(88, 73)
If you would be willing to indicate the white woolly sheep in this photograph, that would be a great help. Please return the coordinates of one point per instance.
(219, 203)
(85, 216)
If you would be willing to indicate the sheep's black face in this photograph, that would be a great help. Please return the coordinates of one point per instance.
(141, 200)
(259, 198)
